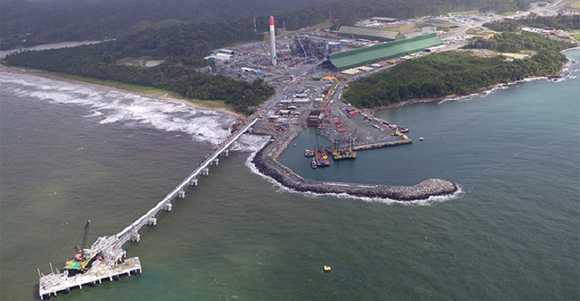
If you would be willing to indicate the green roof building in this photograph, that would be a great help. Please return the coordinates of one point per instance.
(369, 55)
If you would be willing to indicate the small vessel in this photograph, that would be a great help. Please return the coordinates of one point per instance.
(326, 269)
(420, 138)
(308, 153)
(313, 164)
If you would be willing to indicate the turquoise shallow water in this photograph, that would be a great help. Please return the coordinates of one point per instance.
(511, 235)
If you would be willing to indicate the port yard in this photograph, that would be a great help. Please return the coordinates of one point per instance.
(309, 94)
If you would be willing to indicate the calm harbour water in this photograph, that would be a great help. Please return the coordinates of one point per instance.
(71, 153)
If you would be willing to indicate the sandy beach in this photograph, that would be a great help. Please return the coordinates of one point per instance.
(160, 96)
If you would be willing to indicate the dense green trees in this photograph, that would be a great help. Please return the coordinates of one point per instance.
(73, 20)
(183, 47)
(557, 22)
(460, 73)
(533, 20)
(346, 12)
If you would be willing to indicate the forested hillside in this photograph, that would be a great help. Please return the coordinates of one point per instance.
(29, 22)
(32, 22)
(459, 73)
(557, 22)
(346, 12)
(183, 46)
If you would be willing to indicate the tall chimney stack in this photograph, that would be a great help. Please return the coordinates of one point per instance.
(272, 41)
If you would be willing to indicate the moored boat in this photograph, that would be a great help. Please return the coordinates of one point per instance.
(321, 157)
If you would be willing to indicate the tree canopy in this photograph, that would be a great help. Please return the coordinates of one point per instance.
(569, 22)
(460, 73)
(27, 22)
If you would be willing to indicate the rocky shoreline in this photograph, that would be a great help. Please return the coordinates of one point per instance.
(266, 161)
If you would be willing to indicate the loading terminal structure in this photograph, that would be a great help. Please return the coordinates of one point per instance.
(372, 54)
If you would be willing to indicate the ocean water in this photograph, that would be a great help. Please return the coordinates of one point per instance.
(69, 153)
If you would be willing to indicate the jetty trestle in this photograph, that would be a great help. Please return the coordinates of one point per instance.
(152, 221)
(107, 251)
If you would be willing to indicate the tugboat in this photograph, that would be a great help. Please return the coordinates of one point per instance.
(313, 164)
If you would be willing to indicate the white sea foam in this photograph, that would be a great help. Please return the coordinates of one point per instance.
(282, 188)
(131, 110)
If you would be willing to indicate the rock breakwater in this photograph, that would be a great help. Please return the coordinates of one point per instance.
(266, 161)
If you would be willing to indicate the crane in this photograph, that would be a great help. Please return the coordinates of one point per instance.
(305, 55)
(85, 236)
(300, 72)
(81, 262)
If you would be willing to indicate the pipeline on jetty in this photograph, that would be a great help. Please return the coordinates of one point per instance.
(108, 249)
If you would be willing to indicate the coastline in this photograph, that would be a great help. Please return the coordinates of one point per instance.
(266, 159)
(160, 96)
(457, 96)
(454, 96)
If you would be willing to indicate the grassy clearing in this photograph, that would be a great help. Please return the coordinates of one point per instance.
(474, 11)
(576, 36)
(519, 56)
(125, 60)
(480, 32)
(575, 4)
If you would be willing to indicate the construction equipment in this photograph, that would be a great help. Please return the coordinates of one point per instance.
(339, 154)
(81, 261)
(300, 73)
(305, 55)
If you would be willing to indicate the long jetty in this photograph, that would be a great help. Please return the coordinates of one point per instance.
(109, 264)
(106, 252)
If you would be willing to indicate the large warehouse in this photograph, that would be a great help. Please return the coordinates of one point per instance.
(369, 33)
(369, 55)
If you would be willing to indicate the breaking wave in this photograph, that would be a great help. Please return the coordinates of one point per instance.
(427, 202)
(131, 110)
